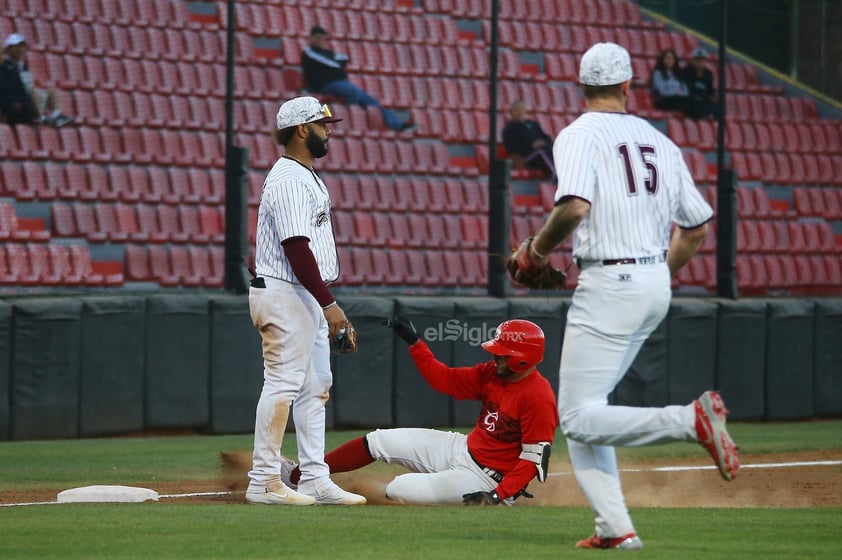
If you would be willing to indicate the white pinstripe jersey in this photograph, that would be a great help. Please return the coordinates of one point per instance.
(294, 203)
(636, 181)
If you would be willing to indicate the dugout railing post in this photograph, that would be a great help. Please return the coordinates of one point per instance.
(236, 220)
(726, 182)
(726, 235)
(499, 222)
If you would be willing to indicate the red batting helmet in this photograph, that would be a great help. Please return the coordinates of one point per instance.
(522, 341)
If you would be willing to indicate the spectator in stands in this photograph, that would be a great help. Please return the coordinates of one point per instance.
(526, 142)
(669, 92)
(324, 72)
(16, 106)
(699, 79)
(20, 100)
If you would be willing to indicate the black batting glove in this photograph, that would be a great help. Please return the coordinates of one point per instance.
(404, 328)
(481, 499)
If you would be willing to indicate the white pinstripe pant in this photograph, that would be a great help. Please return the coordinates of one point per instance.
(296, 357)
(615, 308)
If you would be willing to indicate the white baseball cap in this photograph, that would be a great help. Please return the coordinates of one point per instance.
(14, 39)
(605, 64)
(303, 110)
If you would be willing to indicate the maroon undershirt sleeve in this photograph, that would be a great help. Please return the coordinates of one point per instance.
(304, 266)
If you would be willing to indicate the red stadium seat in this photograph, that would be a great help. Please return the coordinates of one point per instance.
(169, 224)
(212, 223)
(189, 221)
(343, 227)
(61, 267)
(182, 267)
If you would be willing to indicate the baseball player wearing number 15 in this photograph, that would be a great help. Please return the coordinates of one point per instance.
(621, 186)
(294, 311)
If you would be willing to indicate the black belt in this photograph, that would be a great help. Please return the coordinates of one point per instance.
(497, 477)
(640, 260)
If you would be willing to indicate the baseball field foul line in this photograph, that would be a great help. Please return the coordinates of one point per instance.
(712, 467)
(654, 469)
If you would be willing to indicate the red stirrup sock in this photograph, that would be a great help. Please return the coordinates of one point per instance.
(347, 457)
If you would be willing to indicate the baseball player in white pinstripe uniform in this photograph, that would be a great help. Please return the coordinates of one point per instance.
(621, 186)
(294, 311)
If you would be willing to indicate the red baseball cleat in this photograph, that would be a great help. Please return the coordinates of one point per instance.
(713, 436)
(626, 542)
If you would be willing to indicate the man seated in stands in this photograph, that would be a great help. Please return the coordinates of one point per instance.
(700, 90)
(669, 92)
(324, 72)
(526, 142)
(20, 101)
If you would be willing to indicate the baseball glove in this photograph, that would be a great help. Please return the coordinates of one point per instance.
(346, 342)
(537, 276)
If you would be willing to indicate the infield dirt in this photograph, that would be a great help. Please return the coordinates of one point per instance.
(756, 485)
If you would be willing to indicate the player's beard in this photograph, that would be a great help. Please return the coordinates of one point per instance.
(502, 369)
(316, 145)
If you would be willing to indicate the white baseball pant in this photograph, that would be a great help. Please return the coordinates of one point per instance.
(442, 468)
(296, 357)
(614, 310)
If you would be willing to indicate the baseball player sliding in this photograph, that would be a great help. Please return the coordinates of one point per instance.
(621, 186)
(294, 311)
(507, 448)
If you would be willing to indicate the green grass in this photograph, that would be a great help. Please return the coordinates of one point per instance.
(241, 531)
(204, 530)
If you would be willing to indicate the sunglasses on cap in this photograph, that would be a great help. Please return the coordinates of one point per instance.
(327, 115)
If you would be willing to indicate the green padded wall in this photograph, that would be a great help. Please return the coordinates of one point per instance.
(111, 365)
(236, 365)
(647, 383)
(5, 367)
(741, 357)
(362, 381)
(177, 378)
(45, 368)
(691, 356)
(828, 358)
(414, 402)
(789, 364)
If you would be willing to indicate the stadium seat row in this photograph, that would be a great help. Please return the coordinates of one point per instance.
(51, 180)
(98, 39)
(114, 145)
(120, 222)
(379, 25)
(412, 267)
(412, 230)
(818, 202)
(816, 137)
(783, 236)
(54, 264)
(383, 193)
(782, 168)
(190, 266)
(565, 12)
(154, 75)
(156, 13)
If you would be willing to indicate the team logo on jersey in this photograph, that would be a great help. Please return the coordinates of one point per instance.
(490, 421)
(499, 424)
(321, 219)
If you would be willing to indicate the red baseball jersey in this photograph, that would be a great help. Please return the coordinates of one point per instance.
(512, 413)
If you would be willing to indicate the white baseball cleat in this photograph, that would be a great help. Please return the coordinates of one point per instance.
(280, 495)
(287, 466)
(327, 493)
(713, 436)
